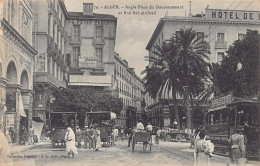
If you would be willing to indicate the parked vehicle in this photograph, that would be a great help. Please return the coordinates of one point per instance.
(58, 125)
(225, 114)
(143, 137)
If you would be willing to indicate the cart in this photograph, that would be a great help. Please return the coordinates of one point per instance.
(176, 135)
(144, 137)
(105, 134)
(57, 137)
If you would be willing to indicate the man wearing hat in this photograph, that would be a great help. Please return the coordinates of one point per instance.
(85, 136)
(237, 143)
(78, 136)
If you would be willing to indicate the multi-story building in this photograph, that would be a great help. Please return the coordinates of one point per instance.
(51, 70)
(90, 48)
(16, 64)
(130, 88)
(222, 28)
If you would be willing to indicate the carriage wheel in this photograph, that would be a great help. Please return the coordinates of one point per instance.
(179, 137)
(168, 138)
(133, 146)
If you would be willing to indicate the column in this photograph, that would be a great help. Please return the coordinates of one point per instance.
(3, 82)
(28, 104)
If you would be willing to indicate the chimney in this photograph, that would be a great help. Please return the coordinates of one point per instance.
(190, 15)
(87, 8)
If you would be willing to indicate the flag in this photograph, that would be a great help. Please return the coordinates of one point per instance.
(21, 109)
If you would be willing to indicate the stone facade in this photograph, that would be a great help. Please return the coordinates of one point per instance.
(16, 64)
(51, 69)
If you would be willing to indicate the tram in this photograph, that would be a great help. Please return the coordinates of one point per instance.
(224, 115)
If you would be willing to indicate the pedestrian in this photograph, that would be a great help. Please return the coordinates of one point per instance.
(237, 143)
(196, 138)
(175, 124)
(97, 139)
(140, 125)
(91, 132)
(149, 127)
(203, 150)
(157, 137)
(70, 142)
(31, 133)
(7, 134)
(78, 136)
(11, 132)
(24, 135)
(86, 137)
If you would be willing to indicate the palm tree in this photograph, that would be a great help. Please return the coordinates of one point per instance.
(160, 79)
(190, 60)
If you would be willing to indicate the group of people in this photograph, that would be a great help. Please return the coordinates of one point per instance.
(26, 137)
(203, 147)
(90, 135)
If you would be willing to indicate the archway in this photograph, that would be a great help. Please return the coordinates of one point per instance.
(24, 80)
(11, 73)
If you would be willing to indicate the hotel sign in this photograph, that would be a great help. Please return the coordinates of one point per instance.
(232, 14)
(222, 101)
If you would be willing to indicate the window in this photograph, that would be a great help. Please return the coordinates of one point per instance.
(98, 32)
(76, 31)
(99, 54)
(241, 36)
(220, 57)
(76, 53)
(220, 38)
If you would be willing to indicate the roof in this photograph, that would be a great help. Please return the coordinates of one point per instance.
(79, 15)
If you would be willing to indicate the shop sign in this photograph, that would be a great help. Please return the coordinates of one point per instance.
(222, 101)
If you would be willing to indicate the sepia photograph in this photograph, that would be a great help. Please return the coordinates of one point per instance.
(129, 82)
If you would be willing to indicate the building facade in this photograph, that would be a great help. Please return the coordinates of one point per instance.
(16, 64)
(130, 88)
(221, 28)
(51, 69)
(90, 47)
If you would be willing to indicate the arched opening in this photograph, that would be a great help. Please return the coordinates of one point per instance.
(11, 73)
(24, 80)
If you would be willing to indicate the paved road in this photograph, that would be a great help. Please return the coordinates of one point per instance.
(167, 153)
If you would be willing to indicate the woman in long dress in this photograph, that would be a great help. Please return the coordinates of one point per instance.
(203, 150)
(70, 142)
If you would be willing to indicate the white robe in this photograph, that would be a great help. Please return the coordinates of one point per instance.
(70, 141)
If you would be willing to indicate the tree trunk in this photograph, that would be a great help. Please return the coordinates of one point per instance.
(175, 110)
(187, 107)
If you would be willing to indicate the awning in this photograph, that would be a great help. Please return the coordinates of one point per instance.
(83, 80)
(21, 108)
(217, 108)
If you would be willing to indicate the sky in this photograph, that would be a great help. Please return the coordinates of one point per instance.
(135, 31)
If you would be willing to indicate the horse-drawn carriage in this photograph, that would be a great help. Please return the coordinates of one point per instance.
(144, 137)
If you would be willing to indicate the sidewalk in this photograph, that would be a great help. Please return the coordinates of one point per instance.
(185, 147)
(20, 148)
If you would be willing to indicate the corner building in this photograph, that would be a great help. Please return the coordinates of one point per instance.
(16, 65)
(51, 68)
(90, 48)
(222, 28)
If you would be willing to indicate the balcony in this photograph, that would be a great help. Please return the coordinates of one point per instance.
(47, 78)
(219, 45)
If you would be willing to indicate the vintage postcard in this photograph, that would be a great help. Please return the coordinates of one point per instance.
(129, 82)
